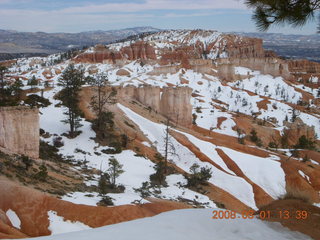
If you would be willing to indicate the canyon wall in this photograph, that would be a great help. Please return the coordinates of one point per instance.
(101, 54)
(267, 65)
(304, 70)
(243, 47)
(304, 66)
(19, 131)
(173, 103)
(170, 102)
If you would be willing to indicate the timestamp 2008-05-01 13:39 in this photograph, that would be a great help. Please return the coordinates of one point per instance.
(250, 214)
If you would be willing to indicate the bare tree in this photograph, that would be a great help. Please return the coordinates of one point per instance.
(102, 97)
(169, 148)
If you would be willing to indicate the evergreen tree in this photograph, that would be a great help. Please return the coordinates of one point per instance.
(160, 168)
(3, 70)
(293, 12)
(103, 183)
(198, 176)
(9, 94)
(101, 98)
(15, 89)
(71, 81)
(114, 171)
(33, 82)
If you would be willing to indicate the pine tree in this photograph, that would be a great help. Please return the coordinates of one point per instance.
(293, 12)
(101, 98)
(9, 94)
(198, 176)
(114, 171)
(33, 82)
(160, 171)
(3, 70)
(71, 81)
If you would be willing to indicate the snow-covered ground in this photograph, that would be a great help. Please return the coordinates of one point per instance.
(58, 224)
(265, 172)
(184, 225)
(212, 100)
(137, 169)
(266, 85)
(184, 159)
(14, 219)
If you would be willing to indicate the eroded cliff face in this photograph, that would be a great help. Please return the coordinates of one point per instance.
(201, 51)
(173, 103)
(304, 70)
(101, 54)
(300, 66)
(244, 47)
(19, 131)
(188, 47)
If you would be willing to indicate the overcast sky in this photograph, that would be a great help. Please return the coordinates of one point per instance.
(85, 15)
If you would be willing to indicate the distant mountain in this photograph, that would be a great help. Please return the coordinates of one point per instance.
(291, 45)
(23, 44)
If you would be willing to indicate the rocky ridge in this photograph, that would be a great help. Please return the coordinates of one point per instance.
(215, 89)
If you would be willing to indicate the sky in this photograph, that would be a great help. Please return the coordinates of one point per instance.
(84, 15)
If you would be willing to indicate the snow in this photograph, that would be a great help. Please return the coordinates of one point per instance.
(137, 169)
(311, 121)
(86, 198)
(14, 218)
(175, 191)
(313, 91)
(184, 159)
(302, 174)
(58, 225)
(184, 225)
(266, 85)
(212, 102)
(209, 150)
(314, 162)
(265, 172)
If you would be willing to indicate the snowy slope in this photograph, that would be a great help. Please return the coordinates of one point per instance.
(215, 103)
(184, 159)
(184, 225)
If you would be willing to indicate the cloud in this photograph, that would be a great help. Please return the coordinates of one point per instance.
(113, 14)
(158, 5)
(55, 21)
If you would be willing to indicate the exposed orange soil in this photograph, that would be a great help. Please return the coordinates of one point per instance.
(32, 206)
(263, 104)
(295, 182)
(215, 193)
(260, 196)
(315, 156)
(226, 141)
(183, 81)
(309, 226)
(265, 133)
(220, 121)
(183, 140)
(219, 195)
(305, 96)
